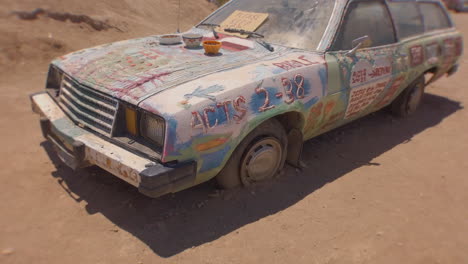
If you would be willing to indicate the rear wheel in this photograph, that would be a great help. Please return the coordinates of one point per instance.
(410, 99)
(260, 156)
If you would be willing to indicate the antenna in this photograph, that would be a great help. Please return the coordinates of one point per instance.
(178, 19)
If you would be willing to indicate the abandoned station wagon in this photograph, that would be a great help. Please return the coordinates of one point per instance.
(164, 116)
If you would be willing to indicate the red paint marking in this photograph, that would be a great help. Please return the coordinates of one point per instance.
(233, 46)
(288, 87)
(380, 71)
(416, 55)
(279, 95)
(359, 76)
(266, 105)
(226, 44)
(225, 106)
(301, 61)
(242, 110)
(145, 80)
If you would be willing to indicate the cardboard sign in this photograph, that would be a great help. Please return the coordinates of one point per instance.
(243, 20)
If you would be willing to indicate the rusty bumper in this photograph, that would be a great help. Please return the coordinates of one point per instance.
(78, 147)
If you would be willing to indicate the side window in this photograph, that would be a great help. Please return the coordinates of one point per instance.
(408, 19)
(434, 16)
(363, 18)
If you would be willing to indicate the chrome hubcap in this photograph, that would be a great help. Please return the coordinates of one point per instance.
(261, 161)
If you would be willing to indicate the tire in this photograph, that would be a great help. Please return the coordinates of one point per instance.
(409, 100)
(266, 144)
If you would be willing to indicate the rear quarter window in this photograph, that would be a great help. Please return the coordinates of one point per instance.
(408, 19)
(434, 16)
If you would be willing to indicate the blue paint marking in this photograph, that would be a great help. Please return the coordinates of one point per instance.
(171, 134)
(311, 102)
(307, 87)
(205, 92)
(258, 100)
(214, 160)
(323, 80)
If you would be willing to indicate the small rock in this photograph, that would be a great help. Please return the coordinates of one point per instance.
(114, 230)
(8, 251)
(380, 233)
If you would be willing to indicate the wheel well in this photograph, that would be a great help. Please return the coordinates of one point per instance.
(293, 122)
(430, 75)
(432, 70)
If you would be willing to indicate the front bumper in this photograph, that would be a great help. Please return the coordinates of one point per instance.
(78, 148)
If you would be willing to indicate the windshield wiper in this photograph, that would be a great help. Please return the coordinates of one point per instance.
(215, 34)
(252, 34)
(266, 45)
(244, 32)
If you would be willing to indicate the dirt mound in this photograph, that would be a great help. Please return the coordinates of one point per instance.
(36, 13)
(34, 32)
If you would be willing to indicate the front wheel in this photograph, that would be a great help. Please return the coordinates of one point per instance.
(260, 156)
(409, 100)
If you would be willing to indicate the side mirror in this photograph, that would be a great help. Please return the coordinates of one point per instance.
(360, 43)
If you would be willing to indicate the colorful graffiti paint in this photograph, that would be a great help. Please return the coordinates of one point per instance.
(211, 103)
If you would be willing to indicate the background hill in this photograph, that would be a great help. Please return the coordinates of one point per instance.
(32, 32)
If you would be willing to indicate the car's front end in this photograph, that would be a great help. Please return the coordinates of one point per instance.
(87, 127)
(116, 106)
(167, 117)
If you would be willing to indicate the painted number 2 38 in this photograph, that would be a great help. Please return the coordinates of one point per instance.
(288, 86)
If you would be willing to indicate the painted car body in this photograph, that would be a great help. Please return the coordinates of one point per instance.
(210, 103)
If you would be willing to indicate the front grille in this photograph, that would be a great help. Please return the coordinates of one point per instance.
(87, 107)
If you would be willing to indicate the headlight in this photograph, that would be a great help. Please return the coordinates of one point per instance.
(153, 128)
(54, 78)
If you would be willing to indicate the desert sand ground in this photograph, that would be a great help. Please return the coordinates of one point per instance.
(380, 190)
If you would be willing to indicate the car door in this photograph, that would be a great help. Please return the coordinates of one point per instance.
(363, 57)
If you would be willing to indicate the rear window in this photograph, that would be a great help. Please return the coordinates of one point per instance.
(408, 19)
(434, 16)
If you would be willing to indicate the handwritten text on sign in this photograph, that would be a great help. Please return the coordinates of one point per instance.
(248, 21)
(363, 96)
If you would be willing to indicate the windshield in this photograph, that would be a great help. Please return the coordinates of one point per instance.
(293, 23)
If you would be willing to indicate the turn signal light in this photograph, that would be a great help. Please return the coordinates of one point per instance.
(131, 121)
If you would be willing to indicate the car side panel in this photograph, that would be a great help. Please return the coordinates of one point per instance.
(359, 82)
(438, 51)
(409, 59)
(211, 116)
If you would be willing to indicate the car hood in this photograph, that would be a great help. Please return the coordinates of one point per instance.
(134, 70)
